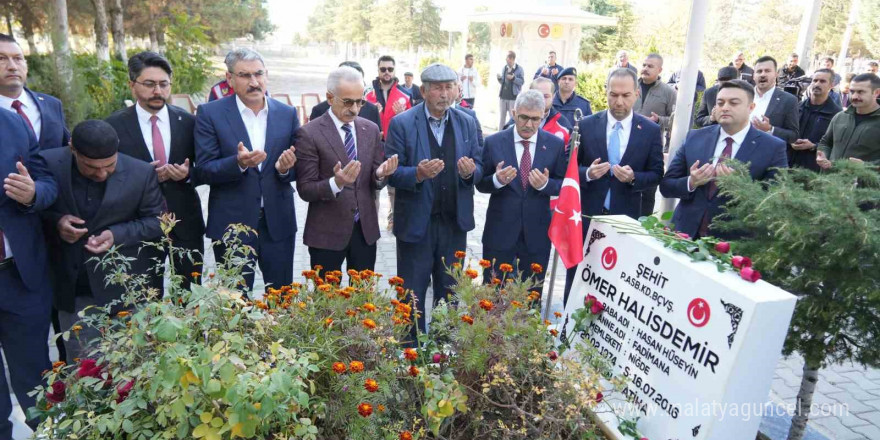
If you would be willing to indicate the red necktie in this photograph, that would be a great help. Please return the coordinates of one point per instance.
(158, 144)
(525, 165)
(17, 106)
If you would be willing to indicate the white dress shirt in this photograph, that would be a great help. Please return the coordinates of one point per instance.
(625, 130)
(333, 187)
(519, 150)
(762, 102)
(29, 107)
(162, 122)
(255, 124)
(738, 139)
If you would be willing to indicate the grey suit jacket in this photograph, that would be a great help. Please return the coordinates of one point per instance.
(783, 115)
(331, 217)
(660, 100)
(130, 209)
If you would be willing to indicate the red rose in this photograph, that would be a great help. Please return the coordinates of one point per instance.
(683, 235)
(597, 308)
(552, 355)
(589, 300)
(723, 247)
(123, 390)
(599, 397)
(58, 392)
(749, 274)
(89, 368)
(739, 261)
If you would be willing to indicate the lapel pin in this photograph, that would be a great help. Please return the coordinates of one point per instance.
(40, 98)
(180, 118)
(543, 147)
(639, 126)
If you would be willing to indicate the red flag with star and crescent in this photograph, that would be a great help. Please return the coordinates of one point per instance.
(565, 228)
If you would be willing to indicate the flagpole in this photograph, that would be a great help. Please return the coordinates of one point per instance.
(573, 144)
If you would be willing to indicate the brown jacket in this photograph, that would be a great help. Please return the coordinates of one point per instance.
(330, 218)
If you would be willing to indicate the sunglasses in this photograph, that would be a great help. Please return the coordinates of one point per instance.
(351, 102)
(386, 69)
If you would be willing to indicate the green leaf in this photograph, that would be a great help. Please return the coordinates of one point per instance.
(168, 328)
(666, 216)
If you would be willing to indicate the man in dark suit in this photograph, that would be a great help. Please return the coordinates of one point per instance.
(706, 115)
(162, 135)
(776, 111)
(524, 168)
(440, 162)
(245, 149)
(691, 174)
(42, 113)
(105, 199)
(25, 299)
(368, 111)
(620, 156)
(341, 165)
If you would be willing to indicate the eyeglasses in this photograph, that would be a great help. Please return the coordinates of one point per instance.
(386, 69)
(164, 85)
(351, 102)
(527, 119)
(248, 76)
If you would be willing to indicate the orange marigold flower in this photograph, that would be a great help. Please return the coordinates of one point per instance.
(536, 268)
(365, 409)
(301, 305)
(516, 304)
(485, 264)
(456, 265)
(123, 314)
(547, 323)
(467, 319)
(410, 354)
(76, 328)
(496, 281)
(472, 274)
(413, 371)
(367, 274)
(401, 292)
(486, 305)
(370, 307)
(369, 323)
(308, 274)
(353, 273)
(195, 274)
(506, 268)
(328, 322)
(557, 314)
(356, 366)
(554, 332)
(371, 385)
(211, 275)
(460, 254)
(405, 435)
(395, 281)
(351, 312)
(325, 287)
(318, 267)
(380, 407)
(339, 367)
(332, 279)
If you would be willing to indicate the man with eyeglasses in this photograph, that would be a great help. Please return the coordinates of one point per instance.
(161, 134)
(245, 150)
(340, 165)
(43, 113)
(620, 155)
(554, 122)
(524, 167)
(440, 162)
(368, 111)
(391, 98)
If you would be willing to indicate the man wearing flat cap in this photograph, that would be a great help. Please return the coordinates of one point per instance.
(566, 100)
(439, 163)
(706, 115)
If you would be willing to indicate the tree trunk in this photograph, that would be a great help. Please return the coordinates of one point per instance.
(160, 38)
(117, 27)
(8, 23)
(63, 58)
(27, 28)
(804, 400)
(102, 43)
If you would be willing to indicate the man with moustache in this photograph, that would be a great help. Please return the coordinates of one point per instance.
(511, 79)
(744, 72)
(341, 166)
(163, 135)
(245, 149)
(789, 71)
(43, 113)
(391, 98)
(550, 70)
(816, 113)
(656, 102)
(524, 167)
(691, 174)
(439, 164)
(620, 156)
(776, 111)
(854, 134)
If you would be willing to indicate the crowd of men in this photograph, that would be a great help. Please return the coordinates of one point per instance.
(71, 196)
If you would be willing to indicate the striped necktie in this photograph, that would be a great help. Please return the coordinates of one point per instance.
(351, 150)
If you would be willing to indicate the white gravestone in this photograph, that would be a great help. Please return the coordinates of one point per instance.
(698, 346)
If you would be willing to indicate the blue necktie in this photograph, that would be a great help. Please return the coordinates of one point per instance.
(613, 155)
(352, 155)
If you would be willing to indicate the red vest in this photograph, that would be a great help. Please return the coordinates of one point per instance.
(552, 126)
(394, 95)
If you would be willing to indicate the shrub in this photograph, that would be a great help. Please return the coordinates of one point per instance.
(591, 85)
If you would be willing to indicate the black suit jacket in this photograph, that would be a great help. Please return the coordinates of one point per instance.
(784, 115)
(181, 197)
(706, 106)
(130, 209)
(369, 112)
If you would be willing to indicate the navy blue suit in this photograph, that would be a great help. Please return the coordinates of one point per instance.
(644, 154)
(762, 151)
(25, 293)
(235, 195)
(517, 220)
(423, 239)
(53, 128)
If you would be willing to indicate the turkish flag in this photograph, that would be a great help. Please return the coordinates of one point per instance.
(565, 228)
